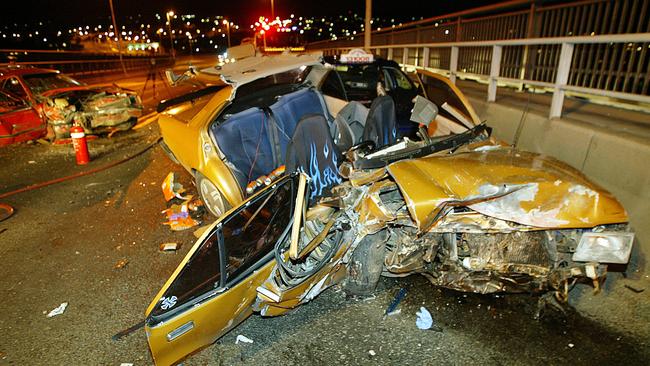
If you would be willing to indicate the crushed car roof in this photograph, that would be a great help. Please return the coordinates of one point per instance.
(252, 68)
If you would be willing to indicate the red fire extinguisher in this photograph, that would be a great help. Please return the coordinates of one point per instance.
(80, 145)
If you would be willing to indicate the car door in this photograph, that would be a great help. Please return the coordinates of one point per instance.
(18, 120)
(213, 288)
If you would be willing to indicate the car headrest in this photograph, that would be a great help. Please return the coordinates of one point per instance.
(381, 125)
(312, 151)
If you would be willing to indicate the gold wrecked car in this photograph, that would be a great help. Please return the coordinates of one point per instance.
(455, 206)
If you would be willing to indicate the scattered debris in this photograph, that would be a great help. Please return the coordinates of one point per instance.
(391, 309)
(169, 247)
(424, 320)
(178, 217)
(634, 289)
(31, 162)
(571, 345)
(171, 188)
(372, 353)
(3, 230)
(121, 263)
(126, 364)
(58, 311)
(242, 338)
(5, 211)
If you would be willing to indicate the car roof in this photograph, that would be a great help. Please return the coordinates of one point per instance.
(22, 70)
(249, 69)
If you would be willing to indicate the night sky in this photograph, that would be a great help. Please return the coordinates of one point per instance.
(244, 11)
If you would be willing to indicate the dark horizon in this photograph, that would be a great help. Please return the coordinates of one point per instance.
(88, 12)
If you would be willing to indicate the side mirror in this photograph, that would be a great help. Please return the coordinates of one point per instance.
(424, 111)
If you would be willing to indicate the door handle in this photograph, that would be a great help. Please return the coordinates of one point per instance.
(180, 331)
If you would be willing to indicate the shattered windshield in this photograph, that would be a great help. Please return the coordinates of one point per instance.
(40, 83)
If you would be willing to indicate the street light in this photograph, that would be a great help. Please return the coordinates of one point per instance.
(227, 24)
(170, 14)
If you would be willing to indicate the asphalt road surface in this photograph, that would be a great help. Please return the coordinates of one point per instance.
(65, 241)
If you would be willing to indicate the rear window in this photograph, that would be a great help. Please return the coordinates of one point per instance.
(360, 81)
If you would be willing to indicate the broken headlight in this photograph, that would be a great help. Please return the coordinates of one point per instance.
(604, 247)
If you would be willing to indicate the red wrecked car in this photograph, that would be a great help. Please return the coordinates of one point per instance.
(59, 101)
(18, 120)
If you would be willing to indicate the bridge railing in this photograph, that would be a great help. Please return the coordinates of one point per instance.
(82, 64)
(590, 65)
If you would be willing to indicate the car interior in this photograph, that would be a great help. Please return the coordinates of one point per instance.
(254, 132)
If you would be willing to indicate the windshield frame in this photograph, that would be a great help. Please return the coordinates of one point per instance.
(450, 142)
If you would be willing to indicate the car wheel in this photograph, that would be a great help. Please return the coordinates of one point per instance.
(366, 265)
(212, 198)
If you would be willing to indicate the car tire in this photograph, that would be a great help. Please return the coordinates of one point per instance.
(211, 196)
(366, 265)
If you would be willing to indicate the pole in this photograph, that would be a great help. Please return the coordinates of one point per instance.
(119, 36)
(272, 11)
(169, 29)
(227, 23)
(368, 31)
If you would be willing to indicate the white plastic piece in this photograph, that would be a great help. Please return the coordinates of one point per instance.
(424, 320)
(242, 338)
(604, 247)
(58, 311)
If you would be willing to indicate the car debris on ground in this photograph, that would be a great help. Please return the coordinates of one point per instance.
(58, 310)
(169, 247)
(121, 263)
(243, 339)
(185, 212)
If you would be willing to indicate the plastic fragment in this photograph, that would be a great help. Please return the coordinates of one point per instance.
(58, 311)
(424, 320)
(390, 310)
(169, 247)
(242, 338)
(121, 263)
(172, 189)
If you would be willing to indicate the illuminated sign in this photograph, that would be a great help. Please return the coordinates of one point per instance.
(282, 49)
(357, 55)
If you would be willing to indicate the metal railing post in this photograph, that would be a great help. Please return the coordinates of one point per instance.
(561, 79)
(495, 67)
(453, 64)
(425, 57)
(405, 55)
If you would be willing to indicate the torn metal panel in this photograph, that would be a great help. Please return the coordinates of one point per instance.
(537, 190)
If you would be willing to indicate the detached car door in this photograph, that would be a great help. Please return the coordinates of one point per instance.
(213, 288)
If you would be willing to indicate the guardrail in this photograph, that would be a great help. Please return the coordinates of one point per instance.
(82, 64)
(576, 64)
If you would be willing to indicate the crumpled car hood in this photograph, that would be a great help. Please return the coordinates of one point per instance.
(507, 184)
